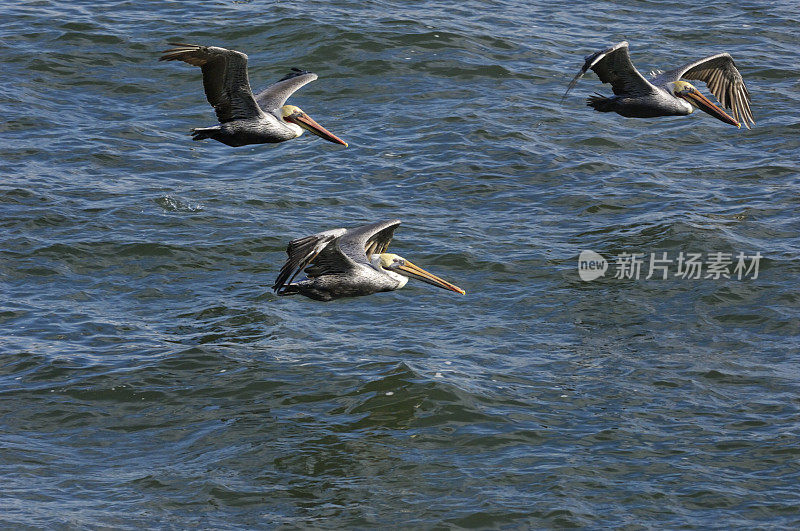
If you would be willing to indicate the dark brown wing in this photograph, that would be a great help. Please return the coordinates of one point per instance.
(723, 79)
(225, 78)
(614, 66)
(318, 249)
(360, 243)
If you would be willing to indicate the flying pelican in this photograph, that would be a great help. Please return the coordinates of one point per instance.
(666, 94)
(245, 118)
(349, 263)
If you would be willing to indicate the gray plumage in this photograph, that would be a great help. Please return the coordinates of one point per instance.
(638, 97)
(274, 96)
(337, 263)
(244, 118)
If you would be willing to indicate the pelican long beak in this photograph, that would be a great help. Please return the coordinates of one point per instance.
(410, 270)
(704, 104)
(308, 123)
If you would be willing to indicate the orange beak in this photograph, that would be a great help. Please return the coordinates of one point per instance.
(704, 104)
(410, 270)
(308, 123)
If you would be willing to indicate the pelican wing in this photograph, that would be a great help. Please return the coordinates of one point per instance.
(274, 96)
(723, 80)
(319, 250)
(360, 243)
(225, 78)
(614, 66)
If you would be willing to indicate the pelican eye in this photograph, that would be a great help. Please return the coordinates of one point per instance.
(295, 114)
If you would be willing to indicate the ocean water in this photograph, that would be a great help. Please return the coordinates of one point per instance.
(150, 378)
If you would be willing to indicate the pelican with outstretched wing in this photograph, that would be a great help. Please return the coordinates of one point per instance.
(349, 263)
(245, 118)
(667, 94)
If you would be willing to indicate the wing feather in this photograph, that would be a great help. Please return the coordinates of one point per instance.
(275, 96)
(723, 79)
(359, 240)
(225, 78)
(614, 66)
(318, 249)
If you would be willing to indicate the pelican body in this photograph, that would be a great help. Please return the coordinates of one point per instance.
(667, 93)
(245, 118)
(349, 263)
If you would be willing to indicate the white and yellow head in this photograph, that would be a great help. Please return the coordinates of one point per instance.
(288, 110)
(298, 120)
(387, 260)
(681, 88)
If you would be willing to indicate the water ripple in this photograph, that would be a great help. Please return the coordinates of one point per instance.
(150, 375)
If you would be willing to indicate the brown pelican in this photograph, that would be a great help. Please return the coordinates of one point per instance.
(666, 94)
(349, 263)
(245, 118)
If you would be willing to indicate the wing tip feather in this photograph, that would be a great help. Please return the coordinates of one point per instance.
(293, 73)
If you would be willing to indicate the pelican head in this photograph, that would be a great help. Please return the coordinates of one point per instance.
(688, 92)
(401, 269)
(296, 117)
